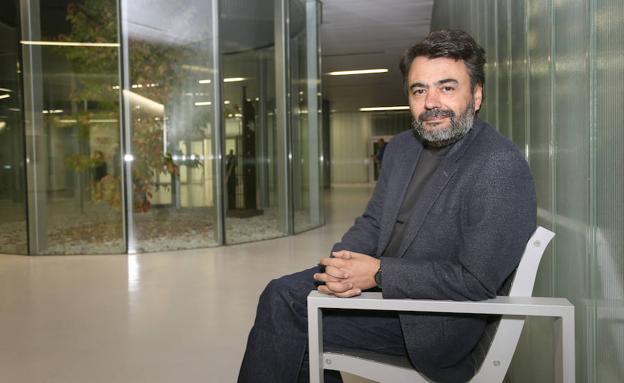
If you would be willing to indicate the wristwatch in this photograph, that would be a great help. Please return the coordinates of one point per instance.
(378, 277)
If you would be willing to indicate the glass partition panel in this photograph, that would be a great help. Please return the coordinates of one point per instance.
(519, 75)
(71, 77)
(250, 166)
(168, 96)
(607, 278)
(13, 237)
(305, 114)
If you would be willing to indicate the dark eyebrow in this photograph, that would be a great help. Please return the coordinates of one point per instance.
(437, 83)
(418, 85)
(446, 81)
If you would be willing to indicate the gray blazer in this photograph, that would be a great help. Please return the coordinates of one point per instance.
(464, 240)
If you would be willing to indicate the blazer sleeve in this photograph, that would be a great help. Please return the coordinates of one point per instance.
(498, 218)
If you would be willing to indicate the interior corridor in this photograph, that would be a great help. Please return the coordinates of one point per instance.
(161, 317)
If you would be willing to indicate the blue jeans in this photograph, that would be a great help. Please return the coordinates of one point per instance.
(277, 347)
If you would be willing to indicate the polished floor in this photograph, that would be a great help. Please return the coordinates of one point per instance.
(161, 317)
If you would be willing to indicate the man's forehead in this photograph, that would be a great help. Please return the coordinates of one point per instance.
(437, 69)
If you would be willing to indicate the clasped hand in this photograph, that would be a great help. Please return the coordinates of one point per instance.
(347, 273)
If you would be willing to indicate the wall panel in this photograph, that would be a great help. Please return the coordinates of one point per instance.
(503, 83)
(559, 80)
(571, 150)
(350, 133)
(519, 78)
(608, 270)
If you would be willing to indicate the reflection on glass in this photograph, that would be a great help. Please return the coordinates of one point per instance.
(68, 117)
(169, 92)
(250, 127)
(13, 239)
(305, 117)
(75, 100)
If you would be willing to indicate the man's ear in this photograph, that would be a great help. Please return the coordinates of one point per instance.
(477, 95)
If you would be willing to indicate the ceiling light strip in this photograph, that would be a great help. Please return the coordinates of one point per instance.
(70, 44)
(356, 72)
(383, 108)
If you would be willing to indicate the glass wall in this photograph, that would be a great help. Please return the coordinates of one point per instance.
(154, 125)
(71, 81)
(13, 238)
(305, 115)
(168, 96)
(251, 139)
(565, 99)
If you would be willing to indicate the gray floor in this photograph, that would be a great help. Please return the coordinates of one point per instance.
(162, 317)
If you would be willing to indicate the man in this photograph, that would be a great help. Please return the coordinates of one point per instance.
(448, 219)
(381, 148)
(378, 156)
(230, 179)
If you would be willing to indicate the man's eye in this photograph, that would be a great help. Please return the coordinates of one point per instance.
(419, 92)
(447, 89)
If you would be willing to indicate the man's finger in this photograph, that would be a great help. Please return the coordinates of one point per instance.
(336, 272)
(342, 254)
(325, 290)
(324, 277)
(349, 293)
(337, 262)
(339, 287)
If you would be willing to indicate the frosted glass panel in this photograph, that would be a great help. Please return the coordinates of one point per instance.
(608, 287)
(519, 78)
(503, 83)
(572, 159)
(489, 39)
(570, 127)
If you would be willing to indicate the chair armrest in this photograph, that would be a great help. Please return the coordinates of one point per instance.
(525, 306)
(559, 308)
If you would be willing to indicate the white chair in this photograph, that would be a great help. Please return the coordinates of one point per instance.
(495, 349)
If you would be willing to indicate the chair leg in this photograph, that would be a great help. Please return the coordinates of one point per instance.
(315, 331)
(565, 349)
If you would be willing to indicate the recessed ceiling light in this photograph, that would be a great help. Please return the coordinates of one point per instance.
(360, 71)
(70, 44)
(4, 96)
(104, 120)
(234, 79)
(383, 108)
(203, 103)
(207, 81)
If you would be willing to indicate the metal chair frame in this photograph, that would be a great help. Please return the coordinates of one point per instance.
(513, 308)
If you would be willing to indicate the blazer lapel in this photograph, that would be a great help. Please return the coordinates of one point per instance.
(395, 194)
(436, 186)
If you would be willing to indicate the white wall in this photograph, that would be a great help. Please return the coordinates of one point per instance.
(350, 133)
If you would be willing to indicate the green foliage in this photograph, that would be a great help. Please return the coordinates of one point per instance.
(154, 67)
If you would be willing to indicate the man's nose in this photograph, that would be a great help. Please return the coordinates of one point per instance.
(432, 100)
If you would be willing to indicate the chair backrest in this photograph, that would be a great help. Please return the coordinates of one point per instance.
(524, 280)
(497, 346)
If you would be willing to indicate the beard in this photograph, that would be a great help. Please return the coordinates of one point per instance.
(457, 128)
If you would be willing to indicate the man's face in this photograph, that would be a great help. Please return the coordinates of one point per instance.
(441, 99)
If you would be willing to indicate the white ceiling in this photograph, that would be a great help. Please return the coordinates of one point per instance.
(368, 34)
